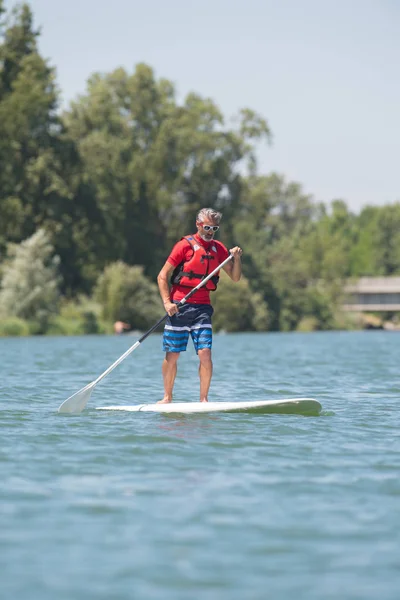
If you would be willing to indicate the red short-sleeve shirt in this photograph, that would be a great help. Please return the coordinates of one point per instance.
(183, 252)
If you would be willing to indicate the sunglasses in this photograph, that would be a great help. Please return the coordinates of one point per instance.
(210, 227)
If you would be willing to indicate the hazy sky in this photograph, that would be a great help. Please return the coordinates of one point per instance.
(324, 73)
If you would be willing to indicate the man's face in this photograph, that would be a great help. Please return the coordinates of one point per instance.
(205, 229)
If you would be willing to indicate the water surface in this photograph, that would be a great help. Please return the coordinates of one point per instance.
(226, 506)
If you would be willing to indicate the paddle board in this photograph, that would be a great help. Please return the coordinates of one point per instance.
(298, 406)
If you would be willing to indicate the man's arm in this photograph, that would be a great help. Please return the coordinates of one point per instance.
(163, 287)
(234, 267)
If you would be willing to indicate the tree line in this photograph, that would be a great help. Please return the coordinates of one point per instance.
(93, 197)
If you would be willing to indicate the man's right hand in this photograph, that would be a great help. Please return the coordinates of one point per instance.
(171, 308)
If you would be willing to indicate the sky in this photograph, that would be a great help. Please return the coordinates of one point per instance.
(323, 73)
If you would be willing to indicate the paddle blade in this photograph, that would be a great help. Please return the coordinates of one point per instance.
(77, 402)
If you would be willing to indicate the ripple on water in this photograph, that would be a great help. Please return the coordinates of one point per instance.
(209, 506)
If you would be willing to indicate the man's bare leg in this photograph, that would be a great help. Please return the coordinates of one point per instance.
(169, 370)
(205, 373)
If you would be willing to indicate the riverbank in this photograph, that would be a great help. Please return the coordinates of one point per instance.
(89, 324)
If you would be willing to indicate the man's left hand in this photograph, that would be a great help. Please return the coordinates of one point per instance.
(236, 252)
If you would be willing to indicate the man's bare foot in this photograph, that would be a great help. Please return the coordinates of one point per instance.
(165, 401)
(204, 400)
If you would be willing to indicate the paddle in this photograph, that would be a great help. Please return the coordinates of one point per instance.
(77, 402)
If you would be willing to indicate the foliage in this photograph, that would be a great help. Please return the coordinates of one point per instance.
(307, 324)
(30, 283)
(126, 294)
(31, 174)
(13, 327)
(87, 324)
(76, 317)
(237, 308)
(118, 177)
(148, 164)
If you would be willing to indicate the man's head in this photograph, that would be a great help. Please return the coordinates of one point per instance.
(207, 223)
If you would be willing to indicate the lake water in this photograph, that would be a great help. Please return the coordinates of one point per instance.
(228, 506)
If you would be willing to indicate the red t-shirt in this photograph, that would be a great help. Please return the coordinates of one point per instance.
(182, 251)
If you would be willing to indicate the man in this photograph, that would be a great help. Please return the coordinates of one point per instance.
(192, 259)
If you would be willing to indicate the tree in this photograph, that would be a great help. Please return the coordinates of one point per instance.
(126, 294)
(273, 217)
(237, 308)
(31, 174)
(151, 163)
(387, 239)
(30, 281)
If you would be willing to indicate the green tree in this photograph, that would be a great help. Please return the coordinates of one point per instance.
(126, 294)
(31, 174)
(237, 308)
(273, 217)
(151, 163)
(387, 240)
(362, 255)
(376, 245)
(30, 281)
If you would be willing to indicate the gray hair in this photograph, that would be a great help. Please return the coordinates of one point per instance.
(209, 213)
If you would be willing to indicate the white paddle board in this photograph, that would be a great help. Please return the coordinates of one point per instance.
(299, 406)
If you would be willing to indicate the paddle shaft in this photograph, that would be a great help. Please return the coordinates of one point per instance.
(163, 318)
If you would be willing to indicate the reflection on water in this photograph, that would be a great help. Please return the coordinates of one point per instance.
(188, 427)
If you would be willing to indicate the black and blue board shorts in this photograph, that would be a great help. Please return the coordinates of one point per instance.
(191, 318)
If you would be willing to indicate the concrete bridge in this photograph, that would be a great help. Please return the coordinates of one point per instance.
(373, 294)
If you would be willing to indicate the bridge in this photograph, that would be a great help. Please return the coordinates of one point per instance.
(373, 294)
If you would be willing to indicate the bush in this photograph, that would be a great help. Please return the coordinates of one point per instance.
(89, 323)
(308, 324)
(62, 326)
(349, 321)
(78, 316)
(30, 280)
(14, 327)
(237, 308)
(81, 325)
(126, 294)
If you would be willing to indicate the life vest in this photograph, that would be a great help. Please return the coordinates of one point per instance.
(191, 272)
